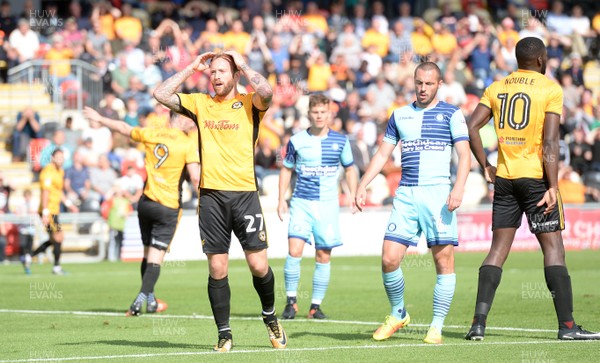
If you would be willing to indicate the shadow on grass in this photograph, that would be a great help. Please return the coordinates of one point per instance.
(145, 344)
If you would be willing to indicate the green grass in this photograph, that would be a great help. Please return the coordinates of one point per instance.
(80, 317)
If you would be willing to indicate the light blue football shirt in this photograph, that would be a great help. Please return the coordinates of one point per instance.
(426, 137)
(317, 161)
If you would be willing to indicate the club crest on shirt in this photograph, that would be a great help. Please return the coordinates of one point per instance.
(439, 117)
(335, 146)
(237, 105)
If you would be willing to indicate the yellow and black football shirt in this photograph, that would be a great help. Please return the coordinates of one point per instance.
(227, 136)
(51, 180)
(168, 150)
(519, 105)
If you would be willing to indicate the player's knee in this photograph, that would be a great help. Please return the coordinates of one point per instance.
(389, 263)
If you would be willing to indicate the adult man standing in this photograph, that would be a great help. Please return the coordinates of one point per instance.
(228, 130)
(52, 186)
(526, 107)
(317, 154)
(169, 151)
(425, 202)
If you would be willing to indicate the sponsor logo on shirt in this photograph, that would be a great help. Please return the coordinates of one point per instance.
(511, 140)
(221, 125)
(423, 144)
(320, 170)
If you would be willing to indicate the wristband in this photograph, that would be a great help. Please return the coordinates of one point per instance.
(68, 203)
(46, 212)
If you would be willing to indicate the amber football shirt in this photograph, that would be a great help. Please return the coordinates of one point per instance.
(51, 180)
(168, 150)
(519, 105)
(228, 132)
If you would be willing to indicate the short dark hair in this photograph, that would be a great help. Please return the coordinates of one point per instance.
(317, 99)
(428, 66)
(529, 49)
(56, 151)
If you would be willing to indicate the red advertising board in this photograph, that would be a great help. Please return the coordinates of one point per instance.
(582, 231)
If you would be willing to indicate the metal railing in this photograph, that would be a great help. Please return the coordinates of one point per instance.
(88, 231)
(83, 85)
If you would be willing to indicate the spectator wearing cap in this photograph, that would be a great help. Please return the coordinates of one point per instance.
(127, 27)
(25, 41)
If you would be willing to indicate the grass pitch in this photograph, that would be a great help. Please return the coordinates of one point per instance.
(80, 317)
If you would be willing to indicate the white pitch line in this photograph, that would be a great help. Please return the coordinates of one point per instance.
(283, 351)
(210, 317)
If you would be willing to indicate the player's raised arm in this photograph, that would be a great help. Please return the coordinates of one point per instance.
(479, 118)
(114, 125)
(377, 163)
(165, 93)
(264, 93)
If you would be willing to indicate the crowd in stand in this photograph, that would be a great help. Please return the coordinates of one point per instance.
(360, 54)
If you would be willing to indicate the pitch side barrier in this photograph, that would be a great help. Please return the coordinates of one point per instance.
(363, 233)
(86, 235)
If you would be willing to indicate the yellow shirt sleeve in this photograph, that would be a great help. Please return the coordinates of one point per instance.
(485, 99)
(555, 100)
(189, 104)
(136, 134)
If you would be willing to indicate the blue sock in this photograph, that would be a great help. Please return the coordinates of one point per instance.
(320, 282)
(291, 274)
(394, 288)
(442, 298)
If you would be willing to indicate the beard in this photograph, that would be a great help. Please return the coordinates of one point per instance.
(225, 89)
